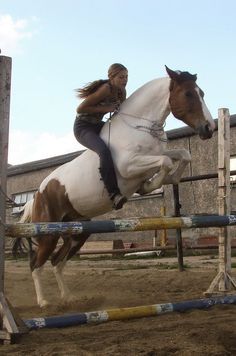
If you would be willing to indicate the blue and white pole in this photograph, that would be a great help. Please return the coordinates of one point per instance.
(125, 313)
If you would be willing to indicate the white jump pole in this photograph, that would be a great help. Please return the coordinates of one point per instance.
(223, 279)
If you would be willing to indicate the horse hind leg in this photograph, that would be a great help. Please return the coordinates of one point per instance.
(36, 275)
(59, 259)
(46, 245)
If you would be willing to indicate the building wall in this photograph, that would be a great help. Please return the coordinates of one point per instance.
(195, 197)
(22, 183)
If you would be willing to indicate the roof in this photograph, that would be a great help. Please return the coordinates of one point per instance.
(186, 131)
(59, 160)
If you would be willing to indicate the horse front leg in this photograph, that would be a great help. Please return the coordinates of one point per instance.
(154, 183)
(157, 166)
(182, 157)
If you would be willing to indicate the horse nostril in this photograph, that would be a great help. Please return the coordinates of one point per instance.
(208, 131)
(205, 131)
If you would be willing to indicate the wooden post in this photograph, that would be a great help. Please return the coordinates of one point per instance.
(5, 87)
(223, 279)
(224, 196)
(163, 233)
(9, 329)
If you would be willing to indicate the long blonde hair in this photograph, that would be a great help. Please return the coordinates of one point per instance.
(90, 88)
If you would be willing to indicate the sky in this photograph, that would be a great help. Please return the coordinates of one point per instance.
(57, 46)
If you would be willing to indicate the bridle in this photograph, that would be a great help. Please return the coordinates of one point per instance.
(155, 130)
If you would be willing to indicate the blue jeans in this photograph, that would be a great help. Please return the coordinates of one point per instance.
(88, 135)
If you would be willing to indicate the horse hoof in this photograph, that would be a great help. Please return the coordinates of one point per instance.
(141, 191)
(69, 299)
(118, 201)
(174, 180)
(44, 303)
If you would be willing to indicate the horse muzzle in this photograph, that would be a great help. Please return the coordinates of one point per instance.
(205, 131)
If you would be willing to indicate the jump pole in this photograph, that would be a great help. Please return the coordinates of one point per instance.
(125, 313)
(9, 327)
(120, 225)
(223, 280)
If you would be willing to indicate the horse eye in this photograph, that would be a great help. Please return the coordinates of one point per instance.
(188, 94)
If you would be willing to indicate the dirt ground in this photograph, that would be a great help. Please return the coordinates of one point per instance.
(105, 284)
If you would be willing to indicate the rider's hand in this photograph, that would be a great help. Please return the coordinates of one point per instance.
(114, 107)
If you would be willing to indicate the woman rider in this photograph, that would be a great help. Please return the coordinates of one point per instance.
(102, 97)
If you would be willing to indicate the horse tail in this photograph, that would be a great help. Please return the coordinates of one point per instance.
(26, 217)
(19, 245)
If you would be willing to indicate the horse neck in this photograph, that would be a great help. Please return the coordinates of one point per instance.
(151, 101)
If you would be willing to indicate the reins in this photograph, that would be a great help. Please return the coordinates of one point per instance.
(109, 130)
(109, 126)
(155, 130)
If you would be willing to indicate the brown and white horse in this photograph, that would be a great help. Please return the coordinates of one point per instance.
(137, 140)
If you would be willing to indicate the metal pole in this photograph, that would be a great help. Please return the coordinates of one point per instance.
(120, 225)
(179, 242)
(101, 316)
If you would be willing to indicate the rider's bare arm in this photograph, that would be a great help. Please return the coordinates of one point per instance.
(91, 105)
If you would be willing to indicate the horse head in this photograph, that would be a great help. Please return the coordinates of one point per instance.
(187, 103)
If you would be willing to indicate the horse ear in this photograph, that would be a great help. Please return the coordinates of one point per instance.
(172, 74)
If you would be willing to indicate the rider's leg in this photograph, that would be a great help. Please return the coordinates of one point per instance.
(89, 137)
